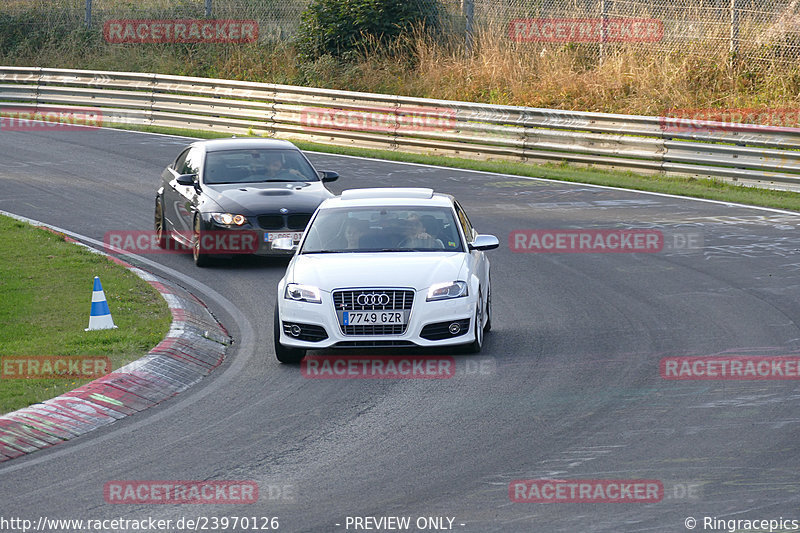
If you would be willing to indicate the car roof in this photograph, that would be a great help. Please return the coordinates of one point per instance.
(387, 192)
(245, 143)
(389, 196)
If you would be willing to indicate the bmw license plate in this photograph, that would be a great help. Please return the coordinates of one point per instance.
(373, 318)
(294, 235)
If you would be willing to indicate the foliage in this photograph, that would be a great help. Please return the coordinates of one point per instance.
(338, 27)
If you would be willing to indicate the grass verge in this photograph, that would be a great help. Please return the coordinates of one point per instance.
(46, 289)
(692, 187)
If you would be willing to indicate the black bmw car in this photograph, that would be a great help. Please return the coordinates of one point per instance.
(227, 196)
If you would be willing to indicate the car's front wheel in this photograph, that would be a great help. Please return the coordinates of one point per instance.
(488, 325)
(201, 258)
(162, 237)
(282, 353)
(477, 344)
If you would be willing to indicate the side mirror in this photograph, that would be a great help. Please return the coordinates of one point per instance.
(328, 175)
(484, 242)
(186, 179)
(285, 244)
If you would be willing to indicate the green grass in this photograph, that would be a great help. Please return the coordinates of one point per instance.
(45, 300)
(682, 186)
(692, 187)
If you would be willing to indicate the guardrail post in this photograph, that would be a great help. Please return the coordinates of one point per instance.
(208, 9)
(88, 17)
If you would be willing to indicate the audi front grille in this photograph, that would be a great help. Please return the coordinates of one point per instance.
(373, 300)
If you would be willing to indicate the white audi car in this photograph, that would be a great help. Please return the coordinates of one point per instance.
(384, 268)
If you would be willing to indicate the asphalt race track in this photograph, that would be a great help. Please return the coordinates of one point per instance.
(568, 386)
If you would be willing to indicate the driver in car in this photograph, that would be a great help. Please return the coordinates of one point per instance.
(416, 236)
(274, 169)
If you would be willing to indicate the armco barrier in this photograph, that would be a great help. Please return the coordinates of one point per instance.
(194, 346)
(749, 154)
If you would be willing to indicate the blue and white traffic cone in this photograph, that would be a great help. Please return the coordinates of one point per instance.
(100, 317)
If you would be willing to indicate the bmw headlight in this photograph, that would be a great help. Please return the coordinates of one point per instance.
(446, 291)
(302, 293)
(228, 219)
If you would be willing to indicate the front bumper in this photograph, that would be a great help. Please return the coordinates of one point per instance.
(265, 245)
(428, 324)
(245, 240)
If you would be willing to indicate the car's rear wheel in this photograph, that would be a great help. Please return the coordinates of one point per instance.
(201, 259)
(477, 344)
(162, 237)
(282, 353)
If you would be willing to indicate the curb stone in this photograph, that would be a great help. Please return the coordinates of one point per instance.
(195, 345)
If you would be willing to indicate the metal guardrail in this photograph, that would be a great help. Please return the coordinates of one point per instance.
(748, 154)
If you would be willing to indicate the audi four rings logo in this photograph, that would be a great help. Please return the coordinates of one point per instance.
(372, 299)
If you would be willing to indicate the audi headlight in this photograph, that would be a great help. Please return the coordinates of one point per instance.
(446, 291)
(302, 293)
(228, 219)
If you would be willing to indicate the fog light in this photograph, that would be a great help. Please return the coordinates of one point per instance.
(295, 330)
(454, 328)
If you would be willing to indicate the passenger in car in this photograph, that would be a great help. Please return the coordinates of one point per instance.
(354, 229)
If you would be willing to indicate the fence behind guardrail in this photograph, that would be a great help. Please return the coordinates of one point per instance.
(756, 31)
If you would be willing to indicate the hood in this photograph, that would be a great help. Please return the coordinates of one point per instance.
(260, 198)
(378, 269)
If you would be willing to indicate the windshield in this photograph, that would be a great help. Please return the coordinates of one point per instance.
(256, 166)
(383, 229)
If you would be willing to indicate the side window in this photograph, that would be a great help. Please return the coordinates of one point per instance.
(469, 232)
(192, 163)
(178, 164)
